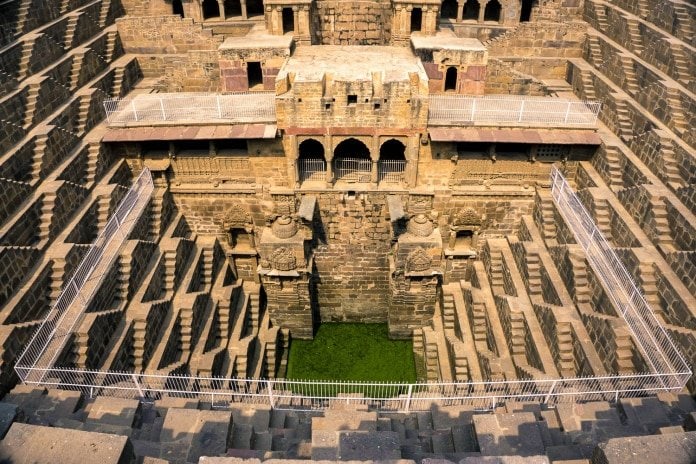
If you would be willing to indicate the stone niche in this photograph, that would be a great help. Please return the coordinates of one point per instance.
(285, 271)
(414, 17)
(252, 62)
(238, 228)
(290, 17)
(415, 277)
(453, 64)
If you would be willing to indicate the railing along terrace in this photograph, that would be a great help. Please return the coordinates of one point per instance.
(55, 330)
(512, 110)
(353, 169)
(191, 107)
(391, 171)
(669, 369)
(311, 169)
(657, 347)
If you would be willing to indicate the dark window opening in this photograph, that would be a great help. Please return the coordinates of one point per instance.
(192, 146)
(512, 150)
(211, 9)
(451, 78)
(471, 10)
(377, 106)
(177, 8)
(327, 106)
(464, 240)
(288, 20)
(231, 145)
(254, 8)
(352, 161)
(526, 13)
(254, 74)
(155, 147)
(233, 8)
(416, 19)
(492, 11)
(240, 239)
(474, 149)
(352, 99)
(449, 9)
(392, 150)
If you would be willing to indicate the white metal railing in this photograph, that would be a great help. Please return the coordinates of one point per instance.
(311, 169)
(391, 171)
(183, 107)
(514, 110)
(353, 169)
(51, 336)
(670, 370)
(655, 344)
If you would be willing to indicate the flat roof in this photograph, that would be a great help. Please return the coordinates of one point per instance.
(352, 63)
(446, 40)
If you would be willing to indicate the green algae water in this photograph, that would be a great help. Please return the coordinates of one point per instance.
(361, 352)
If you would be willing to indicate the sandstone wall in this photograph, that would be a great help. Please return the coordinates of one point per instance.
(351, 22)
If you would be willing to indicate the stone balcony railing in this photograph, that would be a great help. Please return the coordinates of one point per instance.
(191, 108)
(510, 110)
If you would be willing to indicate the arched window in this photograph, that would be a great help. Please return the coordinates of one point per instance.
(392, 161)
(254, 8)
(449, 9)
(177, 8)
(416, 19)
(211, 9)
(288, 20)
(526, 12)
(492, 11)
(352, 161)
(451, 78)
(311, 163)
(233, 8)
(471, 10)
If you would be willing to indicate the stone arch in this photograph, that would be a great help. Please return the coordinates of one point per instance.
(337, 141)
(352, 147)
(352, 161)
(526, 10)
(449, 9)
(392, 149)
(311, 148)
(238, 226)
(311, 162)
(210, 8)
(492, 11)
(233, 8)
(471, 10)
(451, 78)
(177, 8)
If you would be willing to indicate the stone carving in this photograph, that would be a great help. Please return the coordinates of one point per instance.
(236, 217)
(418, 261)
(420, 226)
(466, 218)
(284, 227)
(420, 204)
(282, 259)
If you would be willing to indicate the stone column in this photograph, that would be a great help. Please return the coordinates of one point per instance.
(244, 11)
(373, 173)
(303, 28)
(328, 155)
(460, 11)
(221, 7)
(482, 11)
(295, 20)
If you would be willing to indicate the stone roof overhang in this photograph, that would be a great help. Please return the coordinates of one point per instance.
(541, 136)
(237, 131)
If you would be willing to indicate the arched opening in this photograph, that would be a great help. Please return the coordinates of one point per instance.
(352, 161)
(392, 161)
(451, 79)
(254, 8)
(177, 8)
(492, 11)
(416, 19)
(526, 12)
(471, 10)
(288, 20)
(449, 9)
(311, 162)
(233, 8)
(211, 9)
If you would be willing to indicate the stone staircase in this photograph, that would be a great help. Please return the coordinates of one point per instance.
(678, 119)
(32, 100)
(595, 51)
(630, 84)
(634, 35)
(566, 355)
(47, 204)
(623, 117)
(614, 168)
(70, 30)
(662, 233)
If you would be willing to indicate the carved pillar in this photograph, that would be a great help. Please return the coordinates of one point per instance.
(460, 11)
(295, 20)
(244, 10)
(482, 11)
(221, 6)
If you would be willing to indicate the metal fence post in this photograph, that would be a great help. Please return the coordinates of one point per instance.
(137, 385)
(269, 387)
(408, 398)
(548, 395)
